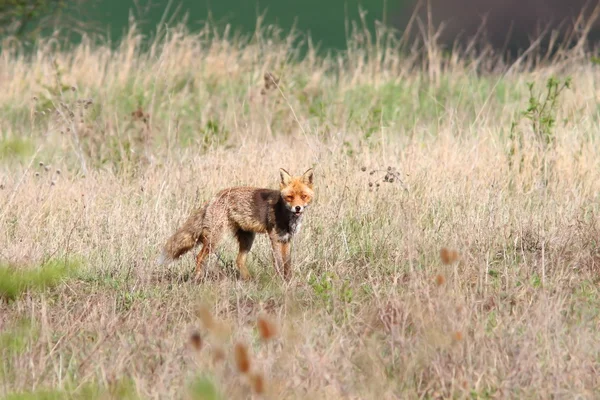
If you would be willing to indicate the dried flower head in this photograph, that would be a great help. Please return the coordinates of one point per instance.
(221, 330)
(196, 341)
(457, 336)
(449, 256)
(258, 383)
(266, 328)
(440, 279)
(242, 358)
(203, 313)
(218, 354)
(271, 81)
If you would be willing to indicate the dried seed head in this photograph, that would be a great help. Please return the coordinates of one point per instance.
(449, 256)
(41, 164)
(457, 336)
(440, 279)
(391, 180)
(52, 183)
(218, 354)
(58, 172)
(258, 383)
(242, 358)
(370, 184)
(196, 341)
(363, 169)
(73, 88)
(205, 317)
(389, 168)
(37, 174)
(266, 328)
(221, 330)
(47, 168)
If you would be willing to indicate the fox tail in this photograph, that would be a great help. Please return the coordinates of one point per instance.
(184, 239)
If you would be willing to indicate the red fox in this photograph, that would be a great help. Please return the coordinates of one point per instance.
(246, 211)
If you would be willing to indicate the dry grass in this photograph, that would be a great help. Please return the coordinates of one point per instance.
(452, 275)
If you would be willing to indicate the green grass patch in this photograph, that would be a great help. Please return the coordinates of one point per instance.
(16, 338)
(15, 148)
(16, 280)
(122, 389)
(203, 388)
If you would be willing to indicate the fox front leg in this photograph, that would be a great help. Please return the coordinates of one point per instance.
(286, 255)
(278, 259)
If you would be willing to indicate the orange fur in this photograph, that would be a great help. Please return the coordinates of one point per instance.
(244, 212)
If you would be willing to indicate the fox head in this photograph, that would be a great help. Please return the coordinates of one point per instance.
(296, 192)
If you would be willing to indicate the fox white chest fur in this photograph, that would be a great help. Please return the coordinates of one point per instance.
(293, 229)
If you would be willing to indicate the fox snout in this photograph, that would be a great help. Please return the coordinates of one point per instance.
(298, 209)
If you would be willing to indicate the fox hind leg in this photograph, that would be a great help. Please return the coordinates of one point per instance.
(210, 241)
(245, 240)
(200, 260)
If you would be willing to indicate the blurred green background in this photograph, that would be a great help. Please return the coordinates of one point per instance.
(507, 24)
(325, 21)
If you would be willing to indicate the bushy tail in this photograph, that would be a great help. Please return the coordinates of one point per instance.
(184, 239)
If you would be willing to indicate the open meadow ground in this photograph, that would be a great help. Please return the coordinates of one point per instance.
(466, 266)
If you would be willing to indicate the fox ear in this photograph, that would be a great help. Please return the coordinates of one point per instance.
(307, 177)
(286, 178)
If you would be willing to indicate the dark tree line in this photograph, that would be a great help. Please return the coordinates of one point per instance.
(26, 19)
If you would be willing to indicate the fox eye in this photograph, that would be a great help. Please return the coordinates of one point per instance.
(289, 199)
(304, 197)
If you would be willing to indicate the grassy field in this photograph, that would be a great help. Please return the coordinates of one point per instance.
(453, 249)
